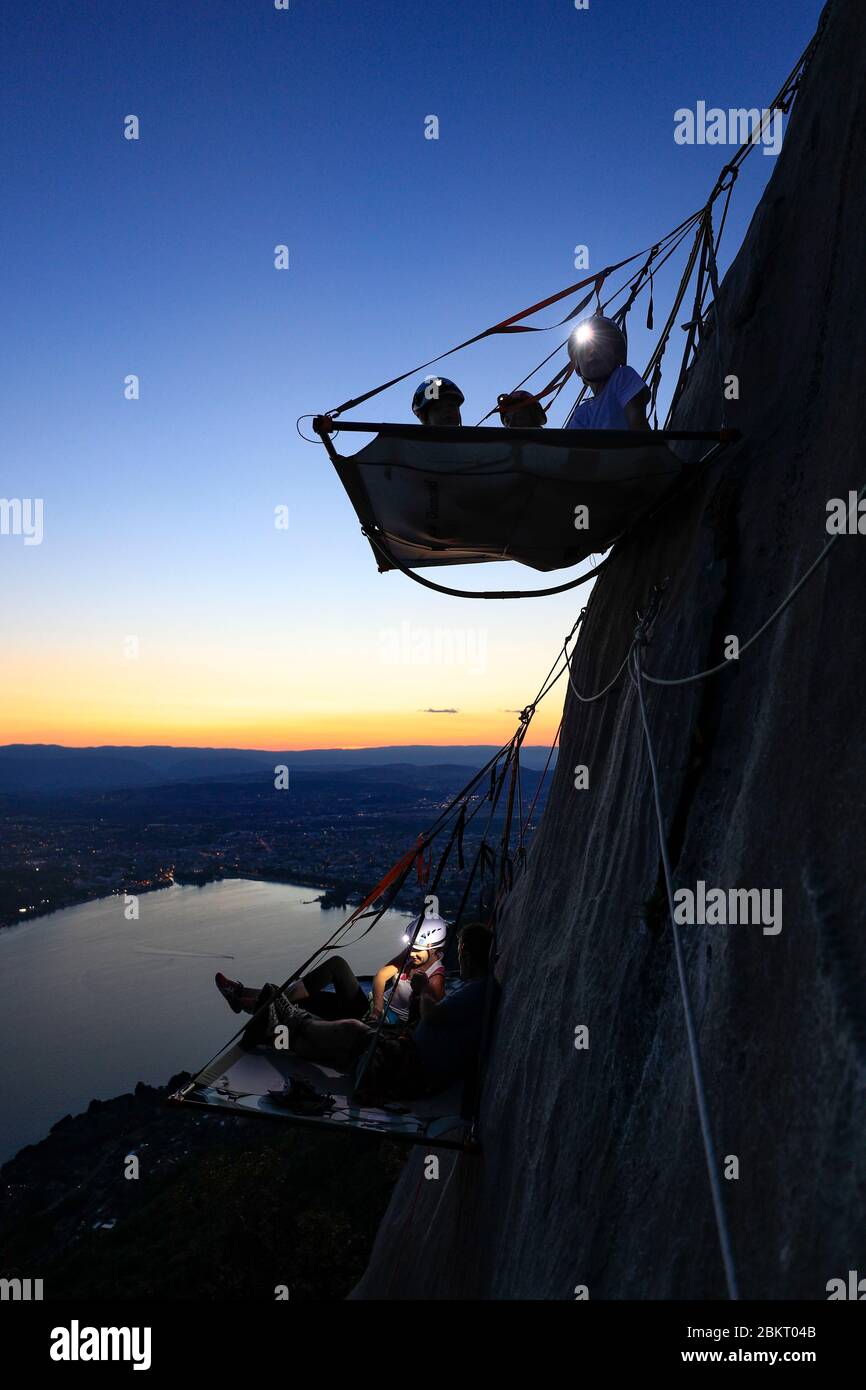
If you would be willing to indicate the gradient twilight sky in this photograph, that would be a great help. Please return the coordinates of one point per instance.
(155, 257)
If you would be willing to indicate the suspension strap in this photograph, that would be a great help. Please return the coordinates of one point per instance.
(375, 540)
(528, 823)
(512, 324)
(714, 281)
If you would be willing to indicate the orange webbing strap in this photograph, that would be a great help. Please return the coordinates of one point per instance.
(556, 383)
(391, 876)
(509, 325)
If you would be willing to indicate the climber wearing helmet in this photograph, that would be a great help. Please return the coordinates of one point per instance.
(437, 401)
(598, 350)
(520, 410)
(443, 1047)
(419, 970)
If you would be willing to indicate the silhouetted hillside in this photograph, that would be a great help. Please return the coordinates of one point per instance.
(49, 769)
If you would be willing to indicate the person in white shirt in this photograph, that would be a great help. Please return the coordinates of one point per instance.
(598, 351)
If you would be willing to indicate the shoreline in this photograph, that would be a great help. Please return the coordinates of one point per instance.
(296, 881)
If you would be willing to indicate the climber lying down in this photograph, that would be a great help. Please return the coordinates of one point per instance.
(440, 1051)
(419, 968)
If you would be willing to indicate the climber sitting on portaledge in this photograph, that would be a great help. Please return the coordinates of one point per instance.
(346, 998)
(442, 1049)
(598, 351)
(437, 401)
(520, 410)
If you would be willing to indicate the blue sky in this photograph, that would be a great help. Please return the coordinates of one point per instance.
(155, 257)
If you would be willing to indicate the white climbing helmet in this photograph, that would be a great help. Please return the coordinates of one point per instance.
(596, 347)
(431, 933)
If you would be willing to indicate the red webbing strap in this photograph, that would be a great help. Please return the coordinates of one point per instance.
(509, 325)
(512, 324)
(391, 876)
(556, 383)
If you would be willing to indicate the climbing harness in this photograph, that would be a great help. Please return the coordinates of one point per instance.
(685, 994)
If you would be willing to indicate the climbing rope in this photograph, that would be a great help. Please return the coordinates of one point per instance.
(367, 1056)
(713, 275)
(729, 662)
(388, 888)
(655, 260)
(634, 659)
(512, 324)
(515, 323)
(776, 613)
(528, 823)
(691, 1031)
(591, 699)
(511, 754)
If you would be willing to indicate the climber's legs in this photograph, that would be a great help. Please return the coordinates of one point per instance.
(347, 1000)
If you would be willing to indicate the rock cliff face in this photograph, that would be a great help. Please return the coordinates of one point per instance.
(592, 1171)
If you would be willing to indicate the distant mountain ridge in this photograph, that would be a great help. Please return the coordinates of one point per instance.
(52, 767)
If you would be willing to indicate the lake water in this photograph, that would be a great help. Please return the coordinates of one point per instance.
(91, 1003)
